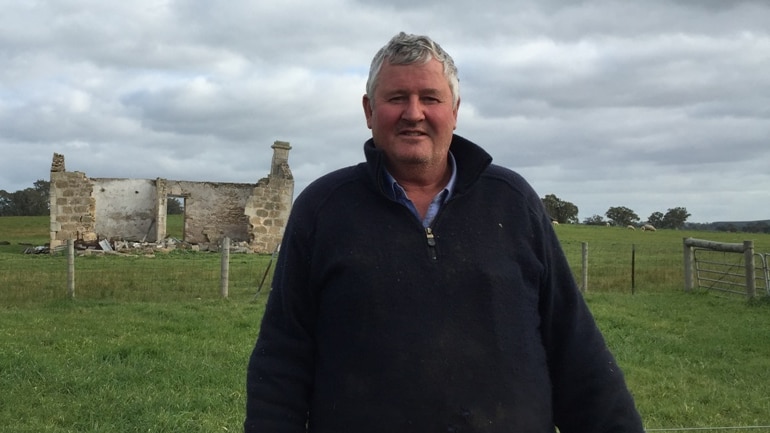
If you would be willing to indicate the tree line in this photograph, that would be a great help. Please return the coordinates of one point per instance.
(26, 202)
(565, 212)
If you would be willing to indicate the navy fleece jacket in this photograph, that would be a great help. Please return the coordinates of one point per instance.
(375, 324)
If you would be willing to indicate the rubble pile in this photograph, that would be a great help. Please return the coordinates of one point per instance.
(132, 247)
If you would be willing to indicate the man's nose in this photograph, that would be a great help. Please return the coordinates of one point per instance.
(414, 110)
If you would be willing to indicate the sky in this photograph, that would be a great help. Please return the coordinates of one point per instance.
(648, 105)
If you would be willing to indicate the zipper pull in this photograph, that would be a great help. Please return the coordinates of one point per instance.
(431, 243)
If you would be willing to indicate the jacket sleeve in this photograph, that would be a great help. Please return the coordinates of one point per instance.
(280, 370)
(589, 391)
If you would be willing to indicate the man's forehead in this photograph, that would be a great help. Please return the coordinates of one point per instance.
(425, 77)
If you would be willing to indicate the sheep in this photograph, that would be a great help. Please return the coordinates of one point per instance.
(630, 227)
(648, 228)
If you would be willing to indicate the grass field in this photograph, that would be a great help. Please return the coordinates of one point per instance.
(658, 256)
(170, 361)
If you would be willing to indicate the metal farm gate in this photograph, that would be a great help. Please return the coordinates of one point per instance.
(726, 267)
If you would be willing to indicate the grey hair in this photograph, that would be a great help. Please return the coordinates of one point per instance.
(407, 49)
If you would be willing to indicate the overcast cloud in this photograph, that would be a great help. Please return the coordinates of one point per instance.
(649, 105)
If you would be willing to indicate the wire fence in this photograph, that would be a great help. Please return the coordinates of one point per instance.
(184, 274)
(598, 266)
(135, 276)
(608, 266)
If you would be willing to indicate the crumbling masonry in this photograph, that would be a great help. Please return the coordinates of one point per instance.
(95, 209)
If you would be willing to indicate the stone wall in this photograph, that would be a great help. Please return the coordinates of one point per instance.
(124, 208)
(72, 205)
(212, 210)
(269, 206)
(94, 209)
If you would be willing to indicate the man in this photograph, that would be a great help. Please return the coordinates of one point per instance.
(424, 290)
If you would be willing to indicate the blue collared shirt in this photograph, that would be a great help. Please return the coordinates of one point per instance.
(398, 194)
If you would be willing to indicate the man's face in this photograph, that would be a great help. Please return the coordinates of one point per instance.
(412, 116)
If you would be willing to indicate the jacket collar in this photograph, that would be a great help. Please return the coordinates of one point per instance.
(471, 161)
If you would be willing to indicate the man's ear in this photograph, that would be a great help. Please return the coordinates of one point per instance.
(367, 110)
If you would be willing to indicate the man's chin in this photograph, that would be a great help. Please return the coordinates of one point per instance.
(412, 160)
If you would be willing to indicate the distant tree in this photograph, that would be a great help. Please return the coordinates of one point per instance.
(621, 216)
(27, 202)
(6, 203)
(562, 211)
(698, 226)
(174, 206)
(729, 227)
(656, 219)
(675, 218)
(595, 220)
(757, 227)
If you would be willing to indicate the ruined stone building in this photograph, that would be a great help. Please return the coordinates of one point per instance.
(95, 209)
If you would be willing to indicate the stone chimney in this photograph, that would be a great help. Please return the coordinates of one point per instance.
(280, 165)
(57, 165)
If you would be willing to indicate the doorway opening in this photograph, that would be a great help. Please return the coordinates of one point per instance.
(175, 217)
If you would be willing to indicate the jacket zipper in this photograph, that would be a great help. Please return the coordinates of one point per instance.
(431, 243)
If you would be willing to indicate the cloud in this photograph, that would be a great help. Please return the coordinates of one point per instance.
(604, 103)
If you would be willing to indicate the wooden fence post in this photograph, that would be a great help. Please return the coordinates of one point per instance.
(70, 268)
(225, 271)
(689, 281)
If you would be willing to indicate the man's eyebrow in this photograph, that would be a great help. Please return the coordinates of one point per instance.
(427, 91)
(431, 91)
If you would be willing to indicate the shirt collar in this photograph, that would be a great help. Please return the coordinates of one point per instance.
(396, 191)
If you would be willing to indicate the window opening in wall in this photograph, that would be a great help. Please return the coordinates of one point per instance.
(175, 217)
